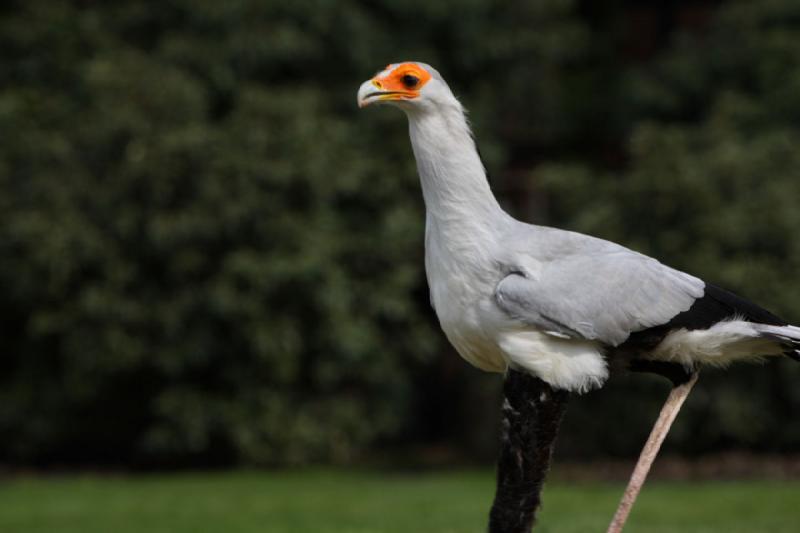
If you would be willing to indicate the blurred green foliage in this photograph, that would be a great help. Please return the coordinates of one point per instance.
(207, 255)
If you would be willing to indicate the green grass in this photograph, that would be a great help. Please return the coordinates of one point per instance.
(365, 502)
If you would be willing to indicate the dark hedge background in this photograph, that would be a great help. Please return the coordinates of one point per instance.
(208, 256)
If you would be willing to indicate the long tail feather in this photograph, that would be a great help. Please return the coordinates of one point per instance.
(788, 336)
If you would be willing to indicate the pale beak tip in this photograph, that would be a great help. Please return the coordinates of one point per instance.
(363, 91)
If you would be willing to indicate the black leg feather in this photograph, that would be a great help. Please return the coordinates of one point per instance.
(532, 413)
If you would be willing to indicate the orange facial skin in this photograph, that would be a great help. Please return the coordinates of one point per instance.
(404, 82)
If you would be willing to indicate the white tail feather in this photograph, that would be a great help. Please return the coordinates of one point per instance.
(787, 336)
(724, 343)
(786, 333)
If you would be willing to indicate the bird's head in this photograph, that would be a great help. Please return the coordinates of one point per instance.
(409, 85)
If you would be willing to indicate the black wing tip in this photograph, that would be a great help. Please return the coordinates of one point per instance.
(742, 307)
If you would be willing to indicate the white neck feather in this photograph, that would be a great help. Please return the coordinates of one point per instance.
(453, 179)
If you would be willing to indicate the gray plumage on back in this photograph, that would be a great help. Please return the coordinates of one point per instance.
(574, 284)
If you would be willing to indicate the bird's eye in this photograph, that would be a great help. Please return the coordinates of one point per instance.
(410, 81)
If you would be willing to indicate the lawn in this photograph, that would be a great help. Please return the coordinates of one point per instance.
(365, 502)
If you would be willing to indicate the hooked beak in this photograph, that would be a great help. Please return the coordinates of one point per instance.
(372, 91)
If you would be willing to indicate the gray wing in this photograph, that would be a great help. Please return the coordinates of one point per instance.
(605, 295)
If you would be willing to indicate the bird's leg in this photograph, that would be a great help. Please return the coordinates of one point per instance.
(532, 412)
(668, 413)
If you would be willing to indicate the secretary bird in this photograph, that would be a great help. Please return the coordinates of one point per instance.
(553, 309)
